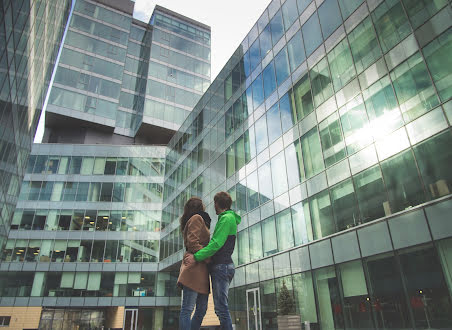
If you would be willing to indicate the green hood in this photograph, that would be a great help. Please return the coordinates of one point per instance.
(237, 217)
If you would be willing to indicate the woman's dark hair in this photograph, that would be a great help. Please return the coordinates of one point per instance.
(192, 206)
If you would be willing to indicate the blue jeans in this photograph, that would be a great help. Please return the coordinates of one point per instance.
(191, 298)
(221, 276)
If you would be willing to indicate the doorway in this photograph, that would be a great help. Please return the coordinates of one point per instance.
(253, 308)
(130, 319)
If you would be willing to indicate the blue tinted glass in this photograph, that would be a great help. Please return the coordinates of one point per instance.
(266, 41)
(273, 123)
(282, 66)
(255, 55)
(330, 17)
(277, 27)
(349, 6)
(290, 13)
(246, 64)
(295, 49)
(258, 92)
(269, 79)
(285, 109)
(311, 34)
(261, 134)
(302, 4)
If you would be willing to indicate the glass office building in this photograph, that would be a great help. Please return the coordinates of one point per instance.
(29, 43)
(120, 76)
(330, 126)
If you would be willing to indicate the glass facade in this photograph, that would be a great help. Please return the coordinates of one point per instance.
(330, 130)
(30, 36)
(330, 126)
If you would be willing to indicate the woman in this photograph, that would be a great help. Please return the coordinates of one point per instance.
(194, 280)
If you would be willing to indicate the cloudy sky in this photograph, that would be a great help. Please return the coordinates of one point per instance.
(230, 21)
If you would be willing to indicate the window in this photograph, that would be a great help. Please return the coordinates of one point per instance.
(277, 28)
(265, 183)
(261, 134)
(402, 181)
(391, 24)
(294, 163)
(439, 61)
(364, 45)
(312, 35)
(284, 230)
(255, 240)
(355, 125)
(349, 6)
(312, 155)
(371, 194)
(254, 54)
(414, 88)
(243, 245)
(279, 175)
(329, 17)
(258, 92)
(295, 49)
(341, 65)
(301, 98)
(434, 157)
(322, 87)
(269, 236)
(269, 79)
(420, 11)
(282, 66)
(5, 320)
(333, 144)
(265, 39)
(321, 215)
(290, 13)
(384, 114)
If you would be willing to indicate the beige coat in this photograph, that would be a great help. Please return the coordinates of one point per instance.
(196, 236)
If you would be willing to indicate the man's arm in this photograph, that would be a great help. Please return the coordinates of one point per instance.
(222, 230)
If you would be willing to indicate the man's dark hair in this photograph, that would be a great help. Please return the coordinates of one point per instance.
(193, 206)
(223, 200)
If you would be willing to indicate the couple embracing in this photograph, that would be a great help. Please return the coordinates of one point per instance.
(203, 258)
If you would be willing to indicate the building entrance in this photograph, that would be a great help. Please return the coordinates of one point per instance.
(253, 308)
(130, 319)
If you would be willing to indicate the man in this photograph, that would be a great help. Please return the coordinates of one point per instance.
(220, 248)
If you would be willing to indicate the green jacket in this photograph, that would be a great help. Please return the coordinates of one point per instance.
(222, 244)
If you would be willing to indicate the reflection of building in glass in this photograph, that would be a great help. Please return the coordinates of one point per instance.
(329, 126)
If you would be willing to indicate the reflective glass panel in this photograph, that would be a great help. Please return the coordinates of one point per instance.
(295, 49)
(439, 61)
(329, 17)
(414, 88)
(301, 98)
(312, 35)
(321, 82)
(364, 45)
(341, 65)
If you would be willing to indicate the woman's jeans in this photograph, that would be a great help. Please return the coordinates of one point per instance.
(221, 276)
(191, 298)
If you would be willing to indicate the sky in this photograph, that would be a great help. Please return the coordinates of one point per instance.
(230, 21)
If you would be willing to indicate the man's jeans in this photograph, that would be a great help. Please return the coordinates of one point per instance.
(221, 276)
(189, 299)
